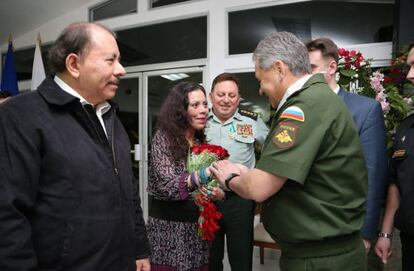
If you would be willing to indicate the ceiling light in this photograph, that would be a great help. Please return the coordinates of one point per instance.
(174, 76)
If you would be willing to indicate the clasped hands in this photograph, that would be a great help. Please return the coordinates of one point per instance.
(222, 169)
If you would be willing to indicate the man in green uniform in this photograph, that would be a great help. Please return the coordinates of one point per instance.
(312, 172)
(236, 130)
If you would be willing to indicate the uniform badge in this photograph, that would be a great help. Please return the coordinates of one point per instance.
(294, 113)
(245, 130)
(231, 132)
(285, 136)
(398, 153)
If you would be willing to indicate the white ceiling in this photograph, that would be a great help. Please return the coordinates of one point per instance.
(21, 16)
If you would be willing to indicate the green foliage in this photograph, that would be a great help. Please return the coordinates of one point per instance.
(388, 85)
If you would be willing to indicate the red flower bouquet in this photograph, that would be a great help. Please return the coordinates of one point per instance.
(202, 156)
(386, 85)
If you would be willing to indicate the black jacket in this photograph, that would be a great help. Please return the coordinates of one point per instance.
(402, 173)
(68, 197)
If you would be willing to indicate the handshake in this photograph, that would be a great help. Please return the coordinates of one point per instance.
(223, 172)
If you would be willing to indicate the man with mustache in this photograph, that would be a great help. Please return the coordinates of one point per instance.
(68, 197)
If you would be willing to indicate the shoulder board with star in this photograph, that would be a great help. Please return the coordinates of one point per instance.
(248, 114)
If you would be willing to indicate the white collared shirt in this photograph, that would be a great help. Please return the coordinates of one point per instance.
(100, 109)
(336, 90)
(293, 88)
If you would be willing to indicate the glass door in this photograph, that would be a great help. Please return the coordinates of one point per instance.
(129, 99)
(156, 86)
(140, 96)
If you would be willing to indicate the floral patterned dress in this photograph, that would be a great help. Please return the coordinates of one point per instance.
(175, 246)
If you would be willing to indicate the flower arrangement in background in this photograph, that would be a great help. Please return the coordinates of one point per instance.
(386, 85)
(202, 156)
(353, 70)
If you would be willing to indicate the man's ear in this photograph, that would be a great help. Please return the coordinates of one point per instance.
(280, 68)
(332, 67)
(72, 64)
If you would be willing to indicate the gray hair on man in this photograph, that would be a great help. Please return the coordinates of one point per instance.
(286, 47)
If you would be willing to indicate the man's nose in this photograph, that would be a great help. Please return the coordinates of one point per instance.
(119, 69)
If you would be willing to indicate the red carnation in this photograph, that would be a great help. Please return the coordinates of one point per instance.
(341, 51)
(388, 80)
(202, 156)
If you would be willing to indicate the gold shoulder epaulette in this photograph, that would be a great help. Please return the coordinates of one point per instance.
(248, 113)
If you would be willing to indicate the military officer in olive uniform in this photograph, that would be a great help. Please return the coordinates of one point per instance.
(399, 210)
(236, 130)
(311, 172)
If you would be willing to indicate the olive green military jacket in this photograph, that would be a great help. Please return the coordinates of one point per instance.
(314, 144)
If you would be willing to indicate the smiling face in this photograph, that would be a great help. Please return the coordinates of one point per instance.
(197, 110)
(99, 68)
(270, 84)
(225, 99)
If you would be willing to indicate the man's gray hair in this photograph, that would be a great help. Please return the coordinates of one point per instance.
(286, 47)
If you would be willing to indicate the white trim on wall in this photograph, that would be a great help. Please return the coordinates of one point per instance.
(218, 59)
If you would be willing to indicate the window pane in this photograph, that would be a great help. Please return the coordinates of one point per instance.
(171, 41)
(23, 59)
(112, 8)
(128, 101)
(252, 100)
(344, 22)
(159, 86)
(160, 3)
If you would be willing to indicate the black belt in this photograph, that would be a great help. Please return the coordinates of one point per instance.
(181, 211)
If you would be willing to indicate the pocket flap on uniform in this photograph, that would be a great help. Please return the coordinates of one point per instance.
(244, 139)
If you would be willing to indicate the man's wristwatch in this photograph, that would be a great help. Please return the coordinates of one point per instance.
(385, 235)
(228, 179)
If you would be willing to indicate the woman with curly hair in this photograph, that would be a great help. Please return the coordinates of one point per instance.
(172, 222)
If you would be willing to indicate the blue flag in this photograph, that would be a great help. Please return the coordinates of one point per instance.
(9, 77)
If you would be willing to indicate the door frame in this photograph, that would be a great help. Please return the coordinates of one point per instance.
(143, 122)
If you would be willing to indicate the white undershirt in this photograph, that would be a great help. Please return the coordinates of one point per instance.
(100, 109)
(336, 90)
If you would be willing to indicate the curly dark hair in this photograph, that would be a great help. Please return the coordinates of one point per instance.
(173, 119)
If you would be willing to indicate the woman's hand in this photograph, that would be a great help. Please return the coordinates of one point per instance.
(213, 193)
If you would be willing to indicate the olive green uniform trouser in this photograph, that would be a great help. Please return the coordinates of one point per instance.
(338, 255)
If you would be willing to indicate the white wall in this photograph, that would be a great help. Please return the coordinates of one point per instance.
(218, 59)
